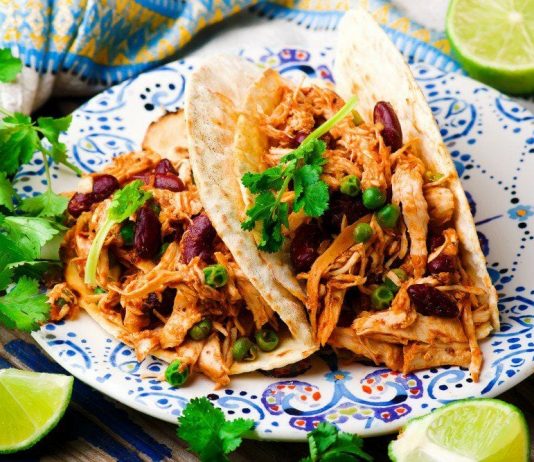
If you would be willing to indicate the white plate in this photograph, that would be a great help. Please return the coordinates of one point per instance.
(492, 141)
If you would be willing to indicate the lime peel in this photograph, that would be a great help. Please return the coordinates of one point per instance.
(32, 403)
(470, 430)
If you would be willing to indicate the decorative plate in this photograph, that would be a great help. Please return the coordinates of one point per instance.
(492, 142)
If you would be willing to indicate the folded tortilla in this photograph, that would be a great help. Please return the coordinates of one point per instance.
(227, 140)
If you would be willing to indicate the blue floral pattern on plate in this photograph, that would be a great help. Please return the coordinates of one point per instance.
(491, 140)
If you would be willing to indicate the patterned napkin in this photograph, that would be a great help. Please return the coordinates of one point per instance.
(81, 46)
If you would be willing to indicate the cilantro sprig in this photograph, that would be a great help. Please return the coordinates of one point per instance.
(125, 202)
(211, 437)
(30, 229)
(302, 168)
(208, 433)
(328, 444)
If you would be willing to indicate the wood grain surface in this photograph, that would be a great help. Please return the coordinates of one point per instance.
(99, 429)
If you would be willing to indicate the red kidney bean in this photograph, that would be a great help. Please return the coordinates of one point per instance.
(436, 241)
(81, 202)
(429, 301)
(198, 239)
(392, 132)
(168, 181)
(165, 166)
(147, 238)
(441, 264)
(340, 205)
(304, 246)
(104, 186)
(165, 305)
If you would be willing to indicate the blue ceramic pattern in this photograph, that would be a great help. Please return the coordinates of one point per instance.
(491, 140)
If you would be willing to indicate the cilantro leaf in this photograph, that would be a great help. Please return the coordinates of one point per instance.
(24, 307)
(6, 275)
(208, 434)
(28, 234)
(18, 142)
(303, 167)
(47, 204)
(328, 444)
(9, 65)
(32, 269)
(6, 192)
(272, 178)
(124, 203)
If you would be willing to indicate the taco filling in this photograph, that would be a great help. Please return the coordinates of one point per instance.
(368, 227)
(162, 280)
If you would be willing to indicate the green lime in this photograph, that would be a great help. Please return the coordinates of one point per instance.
(494, 41)
(32, 404)
(483, 430)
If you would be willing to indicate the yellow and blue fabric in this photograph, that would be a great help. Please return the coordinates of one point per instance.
(102, 42)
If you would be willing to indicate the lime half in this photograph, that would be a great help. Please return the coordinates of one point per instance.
(31, 405)
(471, 430)
(494, 41)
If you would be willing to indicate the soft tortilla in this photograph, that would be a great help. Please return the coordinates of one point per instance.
(216, 92)
(369, 65)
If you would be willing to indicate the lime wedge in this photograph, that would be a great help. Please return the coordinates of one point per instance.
(31, 405)
(471, 430)
(494, 41)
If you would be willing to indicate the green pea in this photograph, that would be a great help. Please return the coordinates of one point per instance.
(215, 275)
(163, 248)
(350, 185)
(401, 275)
(388, 216)
(267, 339)
(363, 232)
(243, 349)
(174, 375)
(373, 198)
(99, 290)
(381, 297)
(128, 232)
(200, 330)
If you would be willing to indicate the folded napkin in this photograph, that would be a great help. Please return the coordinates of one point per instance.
(74, 47)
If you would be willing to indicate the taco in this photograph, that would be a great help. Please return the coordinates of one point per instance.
(352, 200)
(167, 285)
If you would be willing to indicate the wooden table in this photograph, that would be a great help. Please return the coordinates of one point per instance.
(96, 428)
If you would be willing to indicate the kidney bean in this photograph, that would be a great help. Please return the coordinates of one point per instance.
(341, 204)
(429, 301)
(104, 186)
(198, 239)
(147, 238)
(441, 264)
(81, 202)
(304, 246)
(435, 241)
(165, 305)
(168, 181)
(165, 166)
(384, 114)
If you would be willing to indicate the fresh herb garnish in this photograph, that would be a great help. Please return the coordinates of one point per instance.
(328, 444)
(302, 167)
(28, 227)
(23, 307)
(9, 65)
(209, 435)
(125, 202)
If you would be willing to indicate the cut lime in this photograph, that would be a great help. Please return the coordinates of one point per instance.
(471, 430)
(31, 405)
(494, 41)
